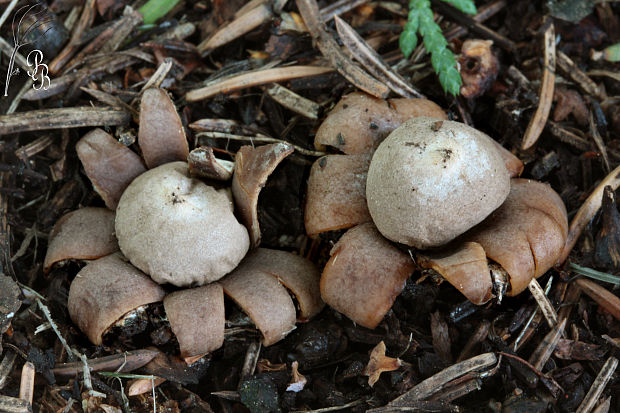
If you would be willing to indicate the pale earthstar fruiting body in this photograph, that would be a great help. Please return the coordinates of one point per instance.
(431, 180)
(178, 229)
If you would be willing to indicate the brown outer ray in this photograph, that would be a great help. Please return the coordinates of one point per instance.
(105, 290)
(359, 122)
(364, 275)
(526, 234)
(264, 299)
(83, 234)
(336, 196)
(252, 168)
(110, 165)
(296, 273)
(464, 266)
(161, 136)
(197, 319)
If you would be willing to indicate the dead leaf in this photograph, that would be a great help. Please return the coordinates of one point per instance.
(379, 363)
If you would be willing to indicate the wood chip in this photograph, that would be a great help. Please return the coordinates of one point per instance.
(587, 211)
(61, 118)
(372, 61)
(254, 78)
(14, 405)
(601, 295)
(292, 101)
(243, 24)
(437, 382)
(26, 384)
(309, 11)
(538, 121)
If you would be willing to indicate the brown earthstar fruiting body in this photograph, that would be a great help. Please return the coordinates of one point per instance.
(83, 234)
(178, 229)
(104, 291)
(364, 275)
(431, 180)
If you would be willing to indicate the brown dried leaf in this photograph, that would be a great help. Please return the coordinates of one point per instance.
(379, 363)
(252, 168)
(137, 387)
(83, 234)
(336, 197)
(161, 135)
(569, 101)
(9, 301)
(364, 275)
(441, 337)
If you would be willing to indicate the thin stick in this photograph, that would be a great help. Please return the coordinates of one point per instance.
(547, 85)
(261, 139)
(598, 386)
(543, 302)
(254, 78)
(75, 117)
(546, 347)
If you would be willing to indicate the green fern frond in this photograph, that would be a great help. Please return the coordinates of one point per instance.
(421, 20)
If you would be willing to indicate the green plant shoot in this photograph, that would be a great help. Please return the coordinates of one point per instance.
(420, 20)
(154, 10)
